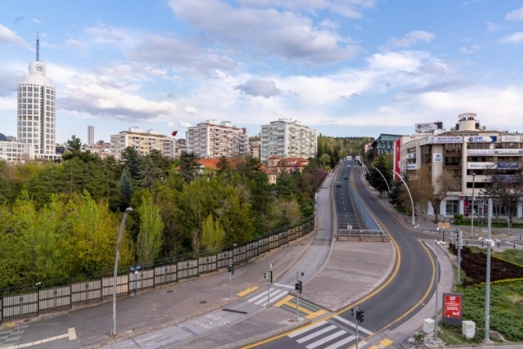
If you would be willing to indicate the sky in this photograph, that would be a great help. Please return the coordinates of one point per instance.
(346, 68)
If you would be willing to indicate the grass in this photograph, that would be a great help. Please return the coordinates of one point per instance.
(506, 308)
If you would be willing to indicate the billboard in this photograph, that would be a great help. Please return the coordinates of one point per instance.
(428, 126)
(481, 139)
(397, 158)
(444, 139)
(452, 308)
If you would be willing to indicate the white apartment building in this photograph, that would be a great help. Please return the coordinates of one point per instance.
(12, 150)
(286, 138)
(468, 151)
(36, 116)
(143, 142)
(211, 139)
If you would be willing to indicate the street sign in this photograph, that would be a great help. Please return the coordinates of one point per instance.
(452, 308)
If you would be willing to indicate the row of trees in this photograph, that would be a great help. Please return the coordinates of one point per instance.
(61, 220)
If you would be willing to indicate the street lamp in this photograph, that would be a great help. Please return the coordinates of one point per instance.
(490, 244)
(116, 257)
(472, 219)
(436, 295)
(410, 195)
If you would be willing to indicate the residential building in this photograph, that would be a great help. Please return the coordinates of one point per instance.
(143, 142)
(211, 139)
(469, 152)
(12, 150)
(254, 148)
(36, 115)
(287, 138)
(181, 146)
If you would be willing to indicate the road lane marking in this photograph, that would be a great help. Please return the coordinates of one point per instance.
(316, 314)
(283, 301)
(247, 291)
(342, 342)
(352, 324)
(306, 329)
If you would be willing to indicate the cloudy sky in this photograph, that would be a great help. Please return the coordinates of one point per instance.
(342, 67)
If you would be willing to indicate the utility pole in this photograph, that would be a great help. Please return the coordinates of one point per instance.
(359, 319)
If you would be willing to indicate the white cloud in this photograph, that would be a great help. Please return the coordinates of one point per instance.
(263, 88)
(264, 31)
(8, 37)
(516, 15)
(516, 37)
(493, 27)
(346, 8)
(470, 49)
(407, 40)
(190, 110)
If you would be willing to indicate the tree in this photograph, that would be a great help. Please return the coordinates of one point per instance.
(422, 189)
(189, 166)
(325, 159)
(212, 235)
(445, 183)
(149, 241)
(506, 187)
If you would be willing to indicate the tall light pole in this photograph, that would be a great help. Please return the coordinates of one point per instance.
(490, 244)
(116, 257)
(384, 179)
(436, 295)
(411, 201)
(472, 219)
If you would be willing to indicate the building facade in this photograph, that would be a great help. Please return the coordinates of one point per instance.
(143, 142)
(211, 139)
(384, 144)
(36, 115)
(468, 152)
(90, 135)
(286, 138)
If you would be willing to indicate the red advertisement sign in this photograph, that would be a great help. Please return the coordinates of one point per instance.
(452, 306)
(397, 159)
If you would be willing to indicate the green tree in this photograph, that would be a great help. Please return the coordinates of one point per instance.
(212, 235)
(149, 242)
(189, 166)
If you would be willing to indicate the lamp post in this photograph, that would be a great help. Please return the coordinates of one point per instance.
(384, 179)
(410, 195)
(490, 243)
(116, 257)
(472, 219)
(436, 294)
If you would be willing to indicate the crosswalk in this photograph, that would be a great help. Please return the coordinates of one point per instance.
(334, 333)
(262, 299)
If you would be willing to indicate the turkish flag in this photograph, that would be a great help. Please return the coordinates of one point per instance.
(174, 133)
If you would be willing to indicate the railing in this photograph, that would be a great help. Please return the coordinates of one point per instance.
(15, 303)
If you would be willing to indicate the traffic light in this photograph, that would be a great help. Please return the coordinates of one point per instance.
(231, 269)
(360, 315)
(298, 286)
(268, 276)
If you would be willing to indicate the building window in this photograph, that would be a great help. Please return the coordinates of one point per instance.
(452, 207)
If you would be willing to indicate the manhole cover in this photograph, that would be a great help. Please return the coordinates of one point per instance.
(203, 302)
(170, 291)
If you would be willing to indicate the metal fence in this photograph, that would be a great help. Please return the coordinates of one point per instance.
(48, 299)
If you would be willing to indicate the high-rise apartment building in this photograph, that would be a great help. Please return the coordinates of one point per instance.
(37, 110)
(211, 139)
(287, 138)
(143, 142)
(90, 135)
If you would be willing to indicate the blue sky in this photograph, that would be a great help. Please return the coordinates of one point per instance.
(342, 67)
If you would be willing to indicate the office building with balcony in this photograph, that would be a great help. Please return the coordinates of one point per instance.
(143, 142)
(286, 138)
(211, 139)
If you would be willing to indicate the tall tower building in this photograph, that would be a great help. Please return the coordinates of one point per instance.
(90, 135)
(37, 110)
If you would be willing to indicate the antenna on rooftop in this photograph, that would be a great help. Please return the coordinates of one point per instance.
(37, 47)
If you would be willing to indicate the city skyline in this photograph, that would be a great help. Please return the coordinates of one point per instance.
(344, 68)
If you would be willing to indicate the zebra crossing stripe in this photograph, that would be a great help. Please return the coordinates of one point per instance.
(316, 334)
(255, 298)
(342, 342)
(351, 324)
(325, 339)
(306, 329)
